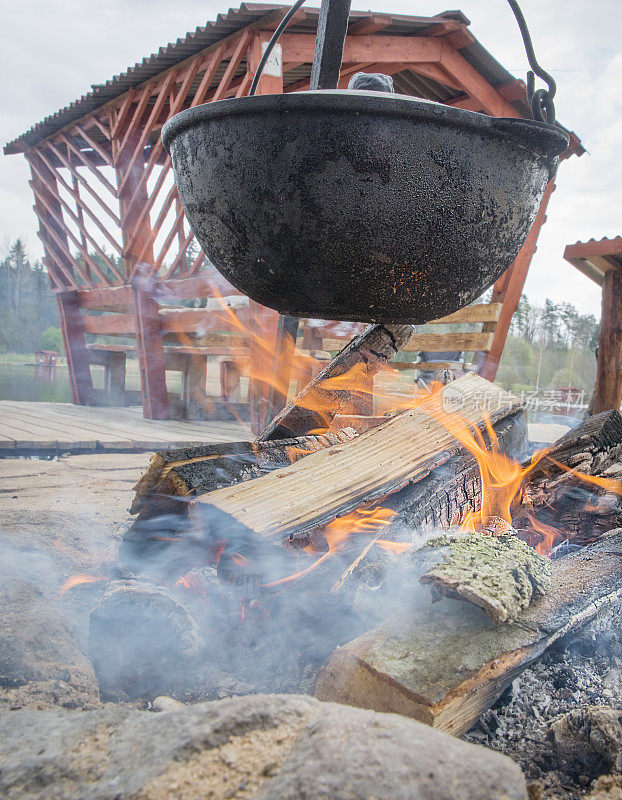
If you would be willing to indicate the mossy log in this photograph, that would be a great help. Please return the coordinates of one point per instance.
(446, 662)
(500, 574)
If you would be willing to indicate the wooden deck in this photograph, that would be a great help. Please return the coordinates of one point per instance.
(63, 427)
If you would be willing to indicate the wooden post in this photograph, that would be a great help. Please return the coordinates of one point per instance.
(149, 345)
(509, 288)
(78, 365)
(608, 392)
(195, 378)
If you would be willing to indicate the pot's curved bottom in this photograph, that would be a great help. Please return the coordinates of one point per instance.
(356, 216)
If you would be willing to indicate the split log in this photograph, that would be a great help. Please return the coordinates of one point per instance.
(191, 471)
(337, 480)
(313, 408)
(445, 663)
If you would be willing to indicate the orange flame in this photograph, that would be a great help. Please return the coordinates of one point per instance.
(77, 580)
(393, 547)
(361, 521)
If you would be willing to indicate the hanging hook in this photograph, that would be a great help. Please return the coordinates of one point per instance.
(542, 107)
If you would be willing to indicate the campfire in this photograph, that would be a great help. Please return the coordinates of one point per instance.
(316, 562)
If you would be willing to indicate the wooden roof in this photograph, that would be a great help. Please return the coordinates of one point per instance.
(595, 258)
(267, 16)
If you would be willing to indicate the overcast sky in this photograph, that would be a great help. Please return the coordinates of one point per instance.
(53, 50)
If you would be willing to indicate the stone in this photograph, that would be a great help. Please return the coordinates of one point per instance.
(591, 736)
(263, 746)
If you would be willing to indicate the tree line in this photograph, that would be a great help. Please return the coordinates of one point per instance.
(28, 308)
(550, 346)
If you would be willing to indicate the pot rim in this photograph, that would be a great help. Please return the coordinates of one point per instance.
(548, 139)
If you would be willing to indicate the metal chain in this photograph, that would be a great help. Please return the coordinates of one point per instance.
(542, 107)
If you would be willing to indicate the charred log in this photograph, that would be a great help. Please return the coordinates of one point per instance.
(314, 407)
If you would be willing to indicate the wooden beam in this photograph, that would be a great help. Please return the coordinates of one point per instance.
(444, 663)
(512, 289)
(368, 25)
(367, 49)
(608, 391)
(474, 84)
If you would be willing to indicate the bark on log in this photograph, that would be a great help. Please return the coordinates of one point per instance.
(499, 573)
(445, 663)
(314, 407)
(337, 480)
(559, 500)
(195, 470)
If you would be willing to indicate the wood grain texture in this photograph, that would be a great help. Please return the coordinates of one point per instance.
(339, 479)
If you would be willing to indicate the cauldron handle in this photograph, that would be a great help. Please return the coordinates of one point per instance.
(541, 101)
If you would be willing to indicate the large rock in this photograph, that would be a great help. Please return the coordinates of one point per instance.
(264, 746)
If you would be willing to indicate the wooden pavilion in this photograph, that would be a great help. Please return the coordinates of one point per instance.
(118, 249)
(601, 261)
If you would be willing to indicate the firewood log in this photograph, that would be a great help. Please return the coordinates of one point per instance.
(314, 406)
(194, 470)
(337, 480)
(444, 663)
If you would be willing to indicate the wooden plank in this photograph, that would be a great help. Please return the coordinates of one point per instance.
(110, 325)
(104, 429)
(339, 480)
(61, 426)
(444, 663)
(483, 312)
(442, 342)
(113, 298)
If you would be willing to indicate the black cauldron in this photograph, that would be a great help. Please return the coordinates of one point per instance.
(359, 205)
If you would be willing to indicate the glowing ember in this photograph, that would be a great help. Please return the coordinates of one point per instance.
(361, 521)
